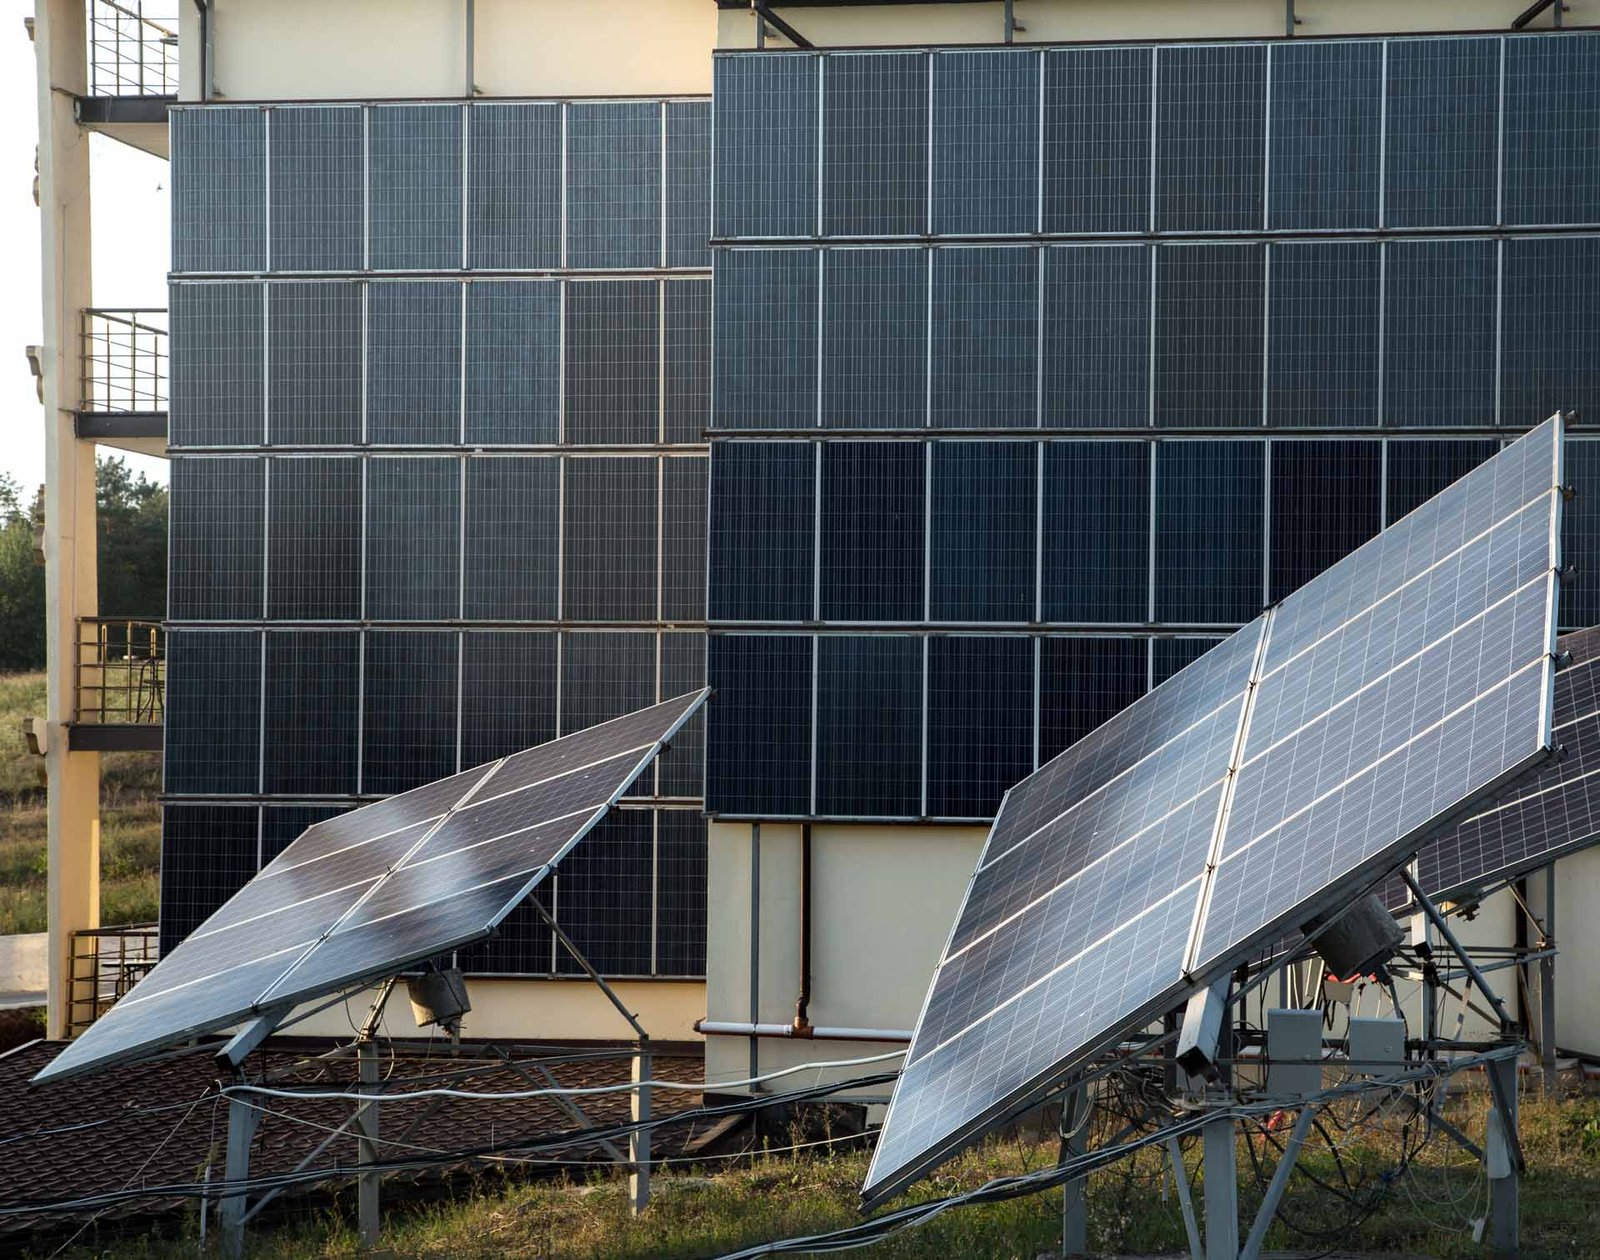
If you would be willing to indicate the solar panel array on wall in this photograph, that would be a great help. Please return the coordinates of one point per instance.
(438, 481)
(1037, 370)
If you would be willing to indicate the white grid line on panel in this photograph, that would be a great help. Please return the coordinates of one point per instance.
(1038, 212)
(1383, 133)
(366, 188)
(822, 83)
(1150, 552)
(361, 584)
(927, 218)
(822, 281)
(466, 184)
(922, 797)
(361, 687)
(365, 338)
(661, 360)
(1155, 103)
(1383, 484)
(1266, 333)
(1150, 368)
(561, 643)
(816, 531)
(1499, 322)
(1038, 338)
(561, 554)
(261, 720)
(655, 885)
(1038, 544)
(1225, 801)
(927, 535)
(927, 344)
(661, 123)
(561, 361)
(1266, 144)
(1266, 522)
(1500, 143)
(661, 529)
(815, 667)
(461, 403)
(266, 185)
(461, 686)
(565, 105)
(1383, 300)
(1038, 683)
(461, 540)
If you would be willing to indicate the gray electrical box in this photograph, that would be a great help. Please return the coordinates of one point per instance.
(1377, 1046)
(1294, 1035)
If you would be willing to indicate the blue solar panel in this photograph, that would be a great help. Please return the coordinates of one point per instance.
(1273, 779)
(372, 891)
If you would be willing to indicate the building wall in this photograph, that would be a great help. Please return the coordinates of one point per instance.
(440, 376)
(1072, 361)
(1060, 21)
(301, 50)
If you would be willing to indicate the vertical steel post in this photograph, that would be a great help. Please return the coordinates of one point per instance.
(242, 1121)
(639, 1139)
(1074, 1141)
(1500, 1151)
(1222, 1189)
(1547, 988)
(367, 1143)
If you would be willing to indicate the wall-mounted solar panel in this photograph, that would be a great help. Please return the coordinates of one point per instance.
(1275, 778)
(1551, 815)
(367, 893)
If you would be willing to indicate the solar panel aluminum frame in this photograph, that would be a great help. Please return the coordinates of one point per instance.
(1334, 897)
(272, 1001)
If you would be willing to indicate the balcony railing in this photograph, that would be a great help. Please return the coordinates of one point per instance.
(133, 48)
(121, 672)
(124, 361)
(106, 963)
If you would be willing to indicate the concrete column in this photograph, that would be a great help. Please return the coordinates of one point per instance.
(70, 570)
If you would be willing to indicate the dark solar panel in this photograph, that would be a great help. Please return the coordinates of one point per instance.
(1279, 773)
(1552, 814)
(374, 890)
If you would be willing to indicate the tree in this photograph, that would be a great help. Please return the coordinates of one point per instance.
(133, 541)
(21, 581)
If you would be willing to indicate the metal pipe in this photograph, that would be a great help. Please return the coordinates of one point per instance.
(802, 1018)
(1443, 928)
(733, 1028)
(1547, 987)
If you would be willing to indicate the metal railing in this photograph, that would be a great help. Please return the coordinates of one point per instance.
(124, 360)
(106, 963)
(133, 48)
(121, 671)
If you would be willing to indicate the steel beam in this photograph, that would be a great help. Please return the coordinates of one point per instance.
(1221, 1189)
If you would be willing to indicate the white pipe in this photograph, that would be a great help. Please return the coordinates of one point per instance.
(725, 1028)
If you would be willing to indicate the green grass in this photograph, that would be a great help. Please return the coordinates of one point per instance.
(1133, 1208)
(130, 828)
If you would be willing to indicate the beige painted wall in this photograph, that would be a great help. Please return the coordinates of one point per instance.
(362, 49)
(883, 900)
(538, 1010)
(1064, 21)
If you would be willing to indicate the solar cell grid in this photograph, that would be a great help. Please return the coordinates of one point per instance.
(1556, 812)
(380, 888)
(1232, 803)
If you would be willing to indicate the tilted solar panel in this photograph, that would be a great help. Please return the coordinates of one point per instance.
(1274, 778)
(369, 892)
(1551, 814)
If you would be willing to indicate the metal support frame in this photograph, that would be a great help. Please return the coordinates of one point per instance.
(1503, 1159)
(1221, 1164)
(367, 1136)
(1437, 919)
(1076, 1109)
(767, 16)
(639, 1139)
(1180, 1175)
(1547, 987)
(1278, 1184)
(242, 1121)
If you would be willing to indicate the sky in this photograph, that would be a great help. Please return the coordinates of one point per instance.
(129, 218)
